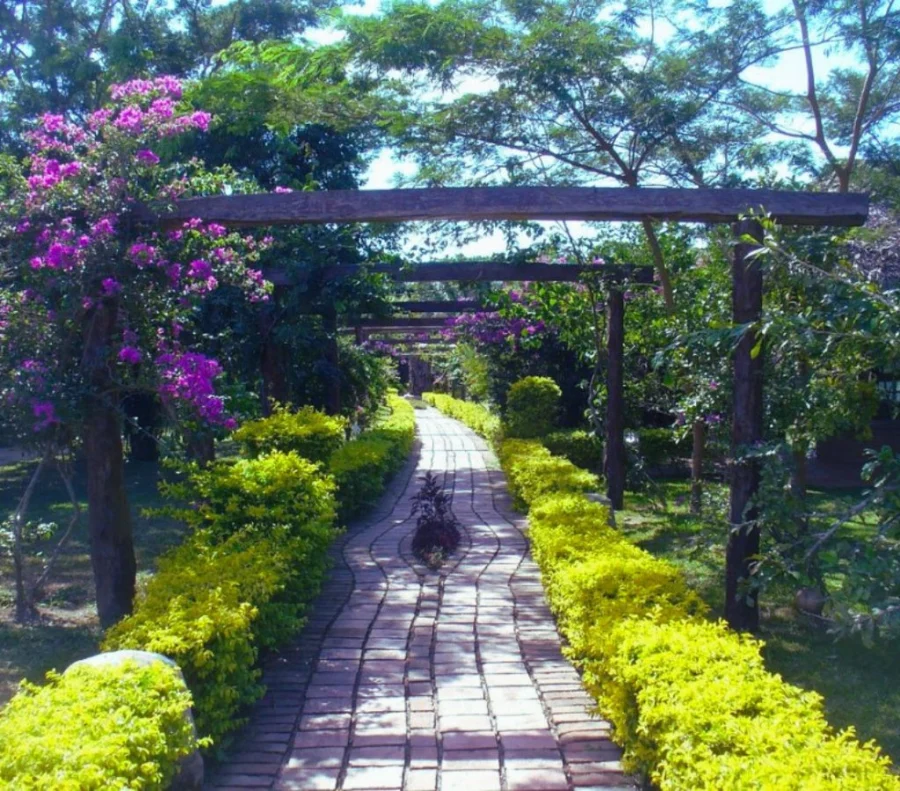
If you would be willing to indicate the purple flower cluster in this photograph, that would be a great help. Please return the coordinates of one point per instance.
(492, 328)
(98, 170)
(189, 377)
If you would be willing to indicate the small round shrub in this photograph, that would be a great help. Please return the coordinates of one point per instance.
(307, 432)
(532, 407)
(96, 728)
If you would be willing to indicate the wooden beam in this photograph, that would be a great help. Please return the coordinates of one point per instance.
(521, 203)
(472, 271)
(399, 340)
(401, 322)
(437, 306)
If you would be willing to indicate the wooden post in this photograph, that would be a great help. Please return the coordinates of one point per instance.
(742, 610)
(332, 357)
(614, 452)
(360, 336)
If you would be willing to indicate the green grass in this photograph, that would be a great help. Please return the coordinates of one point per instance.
(861, 685)
(68, 628)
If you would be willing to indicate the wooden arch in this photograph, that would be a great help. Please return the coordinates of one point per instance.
(595, 204)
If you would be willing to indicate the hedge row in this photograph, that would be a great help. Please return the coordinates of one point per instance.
(691, 702)
(475, 416)
(362, 468)
(241, 583)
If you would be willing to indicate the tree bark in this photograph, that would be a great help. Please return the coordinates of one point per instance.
(697, 449)
(332, 357)
(273, 361)
(742, 608)
(109, 518)
(614, 452)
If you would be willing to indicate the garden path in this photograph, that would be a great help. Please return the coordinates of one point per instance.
(412, 680)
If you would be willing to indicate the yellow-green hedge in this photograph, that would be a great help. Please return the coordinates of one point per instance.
(478, 418)
(691, 702)
(95, 729)
(362, 467)
(307, 431)
(238, 585)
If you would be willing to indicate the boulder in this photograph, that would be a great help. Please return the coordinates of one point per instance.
(190, 772)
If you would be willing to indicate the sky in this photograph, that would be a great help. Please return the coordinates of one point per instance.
(787, 74)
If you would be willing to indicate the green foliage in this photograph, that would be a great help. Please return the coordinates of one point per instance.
(308, 432)
(690, 701)
(212, 608)
(698, 710)
(276, 489)
(96, 728)
(241, 584)
(532, 472)
(580, 447)
(660, 446)
(361, 468)
(532, 407)
(475, 416)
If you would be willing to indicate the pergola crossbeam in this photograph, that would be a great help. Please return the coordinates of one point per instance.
(468, 271)
(521, 203)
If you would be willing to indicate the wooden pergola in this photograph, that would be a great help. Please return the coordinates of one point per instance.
(591, 204)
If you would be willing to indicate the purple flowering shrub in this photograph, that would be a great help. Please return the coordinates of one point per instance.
(79, 259)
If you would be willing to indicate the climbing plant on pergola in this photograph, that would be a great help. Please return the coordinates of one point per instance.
(592, 204)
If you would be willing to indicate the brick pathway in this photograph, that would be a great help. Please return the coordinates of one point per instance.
(412, 680)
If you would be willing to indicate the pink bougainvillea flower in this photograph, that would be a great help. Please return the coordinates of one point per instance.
(46, 411)
(130, 355)
(146, 157)
(111, 286)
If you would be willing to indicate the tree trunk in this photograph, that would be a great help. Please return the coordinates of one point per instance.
(699, 445)
(332, 357)
(273, 361)
(109, 518)
(614, 452)
(201, 447)
(145, 413)
(742, 609)
(799, 475)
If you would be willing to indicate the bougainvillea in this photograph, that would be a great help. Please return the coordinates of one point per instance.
(101, 297)
(72, 239)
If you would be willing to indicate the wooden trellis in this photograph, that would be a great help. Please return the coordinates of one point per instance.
(582, 203)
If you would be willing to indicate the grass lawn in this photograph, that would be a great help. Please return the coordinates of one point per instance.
(861, 686)
(68, 629)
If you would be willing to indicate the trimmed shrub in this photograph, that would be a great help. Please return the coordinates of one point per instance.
(362, 467)
(532, 407)
(308, 432)
(275, 489)
(580, 447)
(532, 472)
(477, 417)
(697, 709)
(211, 609)
(95, 729)
(660, 446)
(690, 701)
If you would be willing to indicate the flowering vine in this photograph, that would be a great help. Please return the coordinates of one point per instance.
(77, 253)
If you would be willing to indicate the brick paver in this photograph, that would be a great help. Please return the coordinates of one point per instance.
(406, 679)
